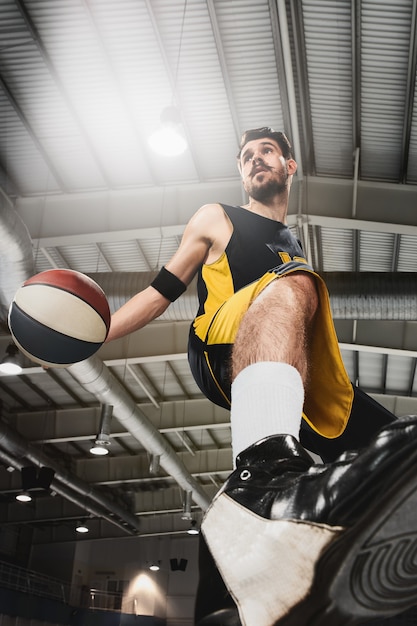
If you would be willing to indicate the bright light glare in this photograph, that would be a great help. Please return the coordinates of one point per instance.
(99, 450)
(23, 497)
(154, 568)
(10, 368)
(82, 528)
(144, 595)
(167, 141)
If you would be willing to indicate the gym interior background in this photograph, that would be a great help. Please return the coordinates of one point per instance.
(83, 86)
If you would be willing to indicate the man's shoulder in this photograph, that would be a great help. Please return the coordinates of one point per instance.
(212, 213)
(212, 207)
(218, 209)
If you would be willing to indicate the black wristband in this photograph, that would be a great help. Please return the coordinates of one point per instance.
(168, 284)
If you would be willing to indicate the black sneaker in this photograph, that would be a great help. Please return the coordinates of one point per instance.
(301, 544)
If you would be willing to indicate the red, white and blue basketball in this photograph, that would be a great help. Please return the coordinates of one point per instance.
(59, 317)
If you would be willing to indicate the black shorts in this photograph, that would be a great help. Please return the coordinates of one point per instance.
(366, 417)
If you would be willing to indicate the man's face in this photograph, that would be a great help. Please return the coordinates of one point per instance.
(265, 171)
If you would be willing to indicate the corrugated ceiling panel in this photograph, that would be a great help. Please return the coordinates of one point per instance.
(398, 374)
(92, 96)
(158, 251)
(19, 389)
(376, 251)
(117, 256)
(385, 40)
(371, 372)
(84, 258)
(163, 380)
(140, 255)
(125, 256)
(348, 360)
(407, 258)
(17, 148)
(55, 391)
(337, 247)
(132, 377)
(24, 164)
(251, 62)
(327, 30)
(22, 67)
(412, 159)
(48, 258)
(182, 370)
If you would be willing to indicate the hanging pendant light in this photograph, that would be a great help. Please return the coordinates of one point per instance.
(82, 527)
(168, 139)
(193, 530)
(24, 496)
(102, 442)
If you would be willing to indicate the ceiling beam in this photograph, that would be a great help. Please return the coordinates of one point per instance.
(38, 144)
(224, 69)
(410, 95)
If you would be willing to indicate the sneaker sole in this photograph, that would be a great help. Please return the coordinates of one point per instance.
(372, 567)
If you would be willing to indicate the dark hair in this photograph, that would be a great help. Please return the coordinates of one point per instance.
(266, 131)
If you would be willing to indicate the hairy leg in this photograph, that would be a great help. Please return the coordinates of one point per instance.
(276, 325)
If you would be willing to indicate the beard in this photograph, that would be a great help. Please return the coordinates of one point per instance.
(268, 189)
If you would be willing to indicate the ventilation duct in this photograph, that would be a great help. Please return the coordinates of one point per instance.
(353, 295)
(373, 295)
(16, 254)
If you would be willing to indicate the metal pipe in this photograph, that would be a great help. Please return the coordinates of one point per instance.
(95, 376)
(289, 79)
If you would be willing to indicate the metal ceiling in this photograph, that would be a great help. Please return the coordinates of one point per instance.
(82, 85)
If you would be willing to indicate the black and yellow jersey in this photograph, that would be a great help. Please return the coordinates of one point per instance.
(257, 244)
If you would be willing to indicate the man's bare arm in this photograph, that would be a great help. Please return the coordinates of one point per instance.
(200, 236)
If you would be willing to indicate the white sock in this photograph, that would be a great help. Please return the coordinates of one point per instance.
(267, 399)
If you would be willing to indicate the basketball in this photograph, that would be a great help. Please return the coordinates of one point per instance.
(59, 317)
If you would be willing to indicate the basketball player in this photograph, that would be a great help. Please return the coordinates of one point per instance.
(296, 543)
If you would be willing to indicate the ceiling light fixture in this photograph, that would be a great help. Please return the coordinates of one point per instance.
(193, 530)
(102, 442)
(24, 496)
(82, 528)
(155, 566)
(167, 140)
(100, 447)
(11, 363)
